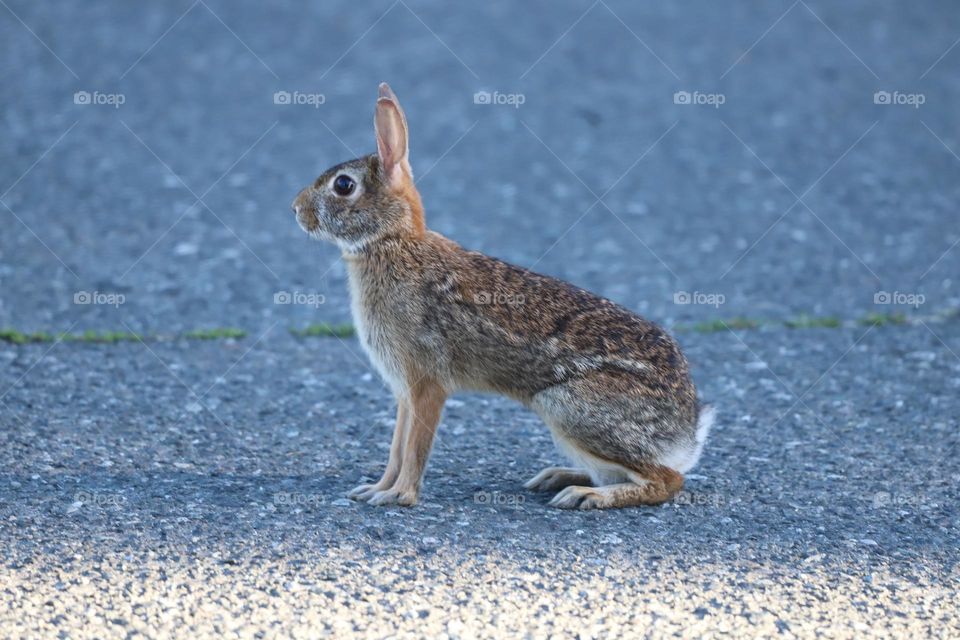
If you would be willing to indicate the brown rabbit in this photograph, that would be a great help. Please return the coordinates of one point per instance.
(436, 318)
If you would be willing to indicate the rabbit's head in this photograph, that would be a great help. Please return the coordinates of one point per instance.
(362, 201)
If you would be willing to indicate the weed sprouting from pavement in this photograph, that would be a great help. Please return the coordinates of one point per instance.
(810, 322)
(325, 330)
(18, 337)
(216, 334)
(804, 321)
(882, 319)
(105, 337)
(90, 336)
(713, 326)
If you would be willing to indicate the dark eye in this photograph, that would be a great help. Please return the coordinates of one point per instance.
(344, 185)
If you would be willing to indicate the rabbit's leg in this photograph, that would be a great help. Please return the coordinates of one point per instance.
(426, 404)
(553, 478)
(656, 485)
(610, 425)
(366, 491)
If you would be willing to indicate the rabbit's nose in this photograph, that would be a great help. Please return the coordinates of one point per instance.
(296, 207)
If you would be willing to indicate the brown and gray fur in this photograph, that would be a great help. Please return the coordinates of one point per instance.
(435, 318)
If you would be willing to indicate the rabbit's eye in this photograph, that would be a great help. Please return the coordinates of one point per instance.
(344, 185)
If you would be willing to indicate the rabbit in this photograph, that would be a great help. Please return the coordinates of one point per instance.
(435, 318)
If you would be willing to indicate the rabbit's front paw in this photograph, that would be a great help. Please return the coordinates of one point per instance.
(364, 492)
(404, 498)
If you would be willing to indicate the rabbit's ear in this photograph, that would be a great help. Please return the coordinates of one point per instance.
(391, 128)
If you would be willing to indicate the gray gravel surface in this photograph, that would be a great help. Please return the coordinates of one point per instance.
(201, 489)
(196, 488)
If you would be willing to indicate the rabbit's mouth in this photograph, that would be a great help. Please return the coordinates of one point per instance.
(311, 224)
(309, 221)
(313, 229)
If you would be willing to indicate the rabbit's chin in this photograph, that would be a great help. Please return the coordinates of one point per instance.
(349, 247)
(316, 232)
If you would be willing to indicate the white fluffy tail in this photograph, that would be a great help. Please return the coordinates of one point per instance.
(685, 458)
(707, 415)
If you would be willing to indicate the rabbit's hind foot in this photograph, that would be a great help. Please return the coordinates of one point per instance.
(554, 478)
(657, 485)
